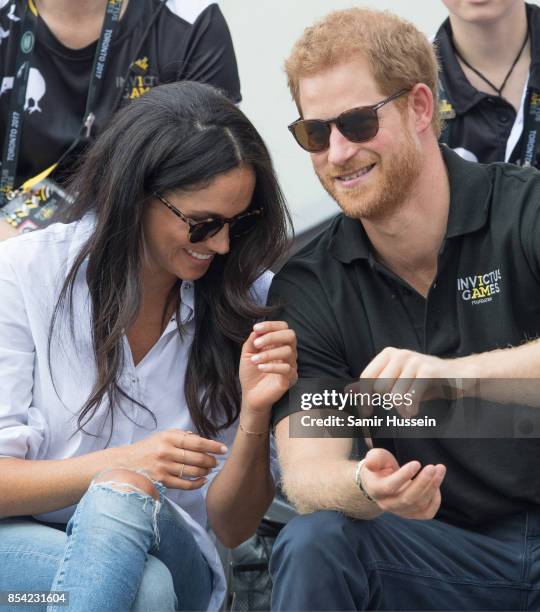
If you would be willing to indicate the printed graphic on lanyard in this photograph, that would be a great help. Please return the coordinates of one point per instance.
(17, 103)
(27, 77)
(532, 125)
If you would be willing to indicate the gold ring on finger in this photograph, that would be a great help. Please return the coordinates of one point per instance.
(183, 462)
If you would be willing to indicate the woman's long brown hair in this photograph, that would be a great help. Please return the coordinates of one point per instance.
(175, 137)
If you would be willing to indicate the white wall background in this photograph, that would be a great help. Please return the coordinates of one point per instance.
(263, 32)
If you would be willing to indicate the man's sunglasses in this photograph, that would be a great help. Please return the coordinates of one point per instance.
(200, 230)
(357, 124)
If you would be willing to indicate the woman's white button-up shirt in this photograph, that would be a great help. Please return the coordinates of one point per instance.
(39, 410)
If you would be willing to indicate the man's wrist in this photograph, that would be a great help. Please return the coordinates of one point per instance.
(360, 483)
(469, 367)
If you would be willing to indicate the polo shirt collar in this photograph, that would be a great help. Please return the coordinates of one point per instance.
(465, 96)
(349, 240)
(470, 195)
(457, 82)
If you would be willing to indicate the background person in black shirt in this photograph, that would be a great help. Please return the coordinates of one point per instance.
(162, 42)
(440, 523)
(490, 70)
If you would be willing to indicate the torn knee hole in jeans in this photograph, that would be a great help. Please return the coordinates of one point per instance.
(157, 486)
(126, 487)
(132, 490)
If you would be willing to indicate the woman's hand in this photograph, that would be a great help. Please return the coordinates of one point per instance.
(178, 459)
(267, 365)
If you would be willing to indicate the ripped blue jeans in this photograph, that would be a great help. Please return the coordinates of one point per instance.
(122, 550)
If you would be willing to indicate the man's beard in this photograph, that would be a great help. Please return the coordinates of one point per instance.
(383, 194)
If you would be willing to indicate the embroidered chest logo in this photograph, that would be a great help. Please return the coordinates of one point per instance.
(139, 81)
(480, 288)
(446, 110)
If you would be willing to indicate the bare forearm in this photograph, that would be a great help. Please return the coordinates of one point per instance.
(243, 490)
(36, 487)
(516, 362)
(326, 485)
(319, 474)
(505, 375)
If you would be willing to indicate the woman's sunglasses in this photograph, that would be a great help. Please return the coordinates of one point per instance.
(357, 124)
(200, 230)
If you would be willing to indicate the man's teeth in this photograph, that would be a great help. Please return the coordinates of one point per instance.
(361, 172)
(199, 255)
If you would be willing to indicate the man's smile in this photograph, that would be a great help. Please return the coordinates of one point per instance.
(351, 179)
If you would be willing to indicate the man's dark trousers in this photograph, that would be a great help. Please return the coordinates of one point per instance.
(327, 561)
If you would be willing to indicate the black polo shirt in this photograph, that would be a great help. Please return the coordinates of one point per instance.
(483, 122)
(346, 307)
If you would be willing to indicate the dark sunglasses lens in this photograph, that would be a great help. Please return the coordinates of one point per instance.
(312, 135)
(205, 230)
(243, 225)
(358, 124)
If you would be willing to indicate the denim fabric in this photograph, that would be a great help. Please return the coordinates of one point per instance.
(327, 561)
(122, 550)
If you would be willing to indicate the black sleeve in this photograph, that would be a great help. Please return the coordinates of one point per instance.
(303, 304)
(209, 54)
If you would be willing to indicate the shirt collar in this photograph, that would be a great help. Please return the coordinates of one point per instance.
(187, 307)
(457, 82)
(470, 195)
(187, 300)
(349, 240)
(82, 232)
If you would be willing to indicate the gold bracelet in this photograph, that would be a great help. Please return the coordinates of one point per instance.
(252, 433)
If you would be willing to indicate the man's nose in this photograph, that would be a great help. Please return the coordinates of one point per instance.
(340, 149)
(220, 243)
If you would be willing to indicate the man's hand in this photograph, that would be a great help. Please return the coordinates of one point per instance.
(408, 491)
(400, 371)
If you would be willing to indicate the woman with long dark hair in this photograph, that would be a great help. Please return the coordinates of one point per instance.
(135, 359)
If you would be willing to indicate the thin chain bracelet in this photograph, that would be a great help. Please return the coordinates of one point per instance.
(252, 433)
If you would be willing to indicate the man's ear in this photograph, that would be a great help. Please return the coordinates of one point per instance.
(422, 106)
